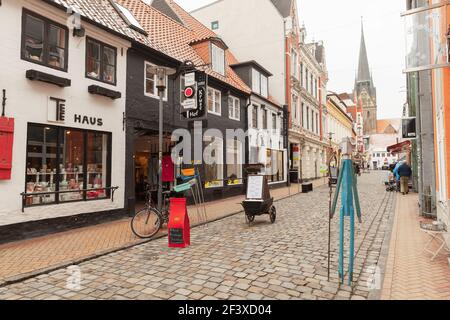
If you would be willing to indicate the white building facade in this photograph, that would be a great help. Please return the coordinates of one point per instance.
(267, 143)
(313, 93)
(65, 93)
(279, 50)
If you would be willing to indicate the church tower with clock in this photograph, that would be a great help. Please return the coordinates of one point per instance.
(365, 93)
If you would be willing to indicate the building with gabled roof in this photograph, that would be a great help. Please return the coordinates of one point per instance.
(274, 38)
(66, 85)
(186, 40)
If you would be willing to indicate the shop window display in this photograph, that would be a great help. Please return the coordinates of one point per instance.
(97, 155)
(41, 163)
(74, 162)
(214, 170)
(274, 165)
(72, 165)
(234, 162)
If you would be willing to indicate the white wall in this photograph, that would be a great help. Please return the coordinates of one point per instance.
(271, 138)
(28, 100)
(253, 30)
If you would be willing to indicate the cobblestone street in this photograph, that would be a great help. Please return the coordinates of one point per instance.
(230, 260)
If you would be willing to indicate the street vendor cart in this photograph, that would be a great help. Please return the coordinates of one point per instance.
(258, 200)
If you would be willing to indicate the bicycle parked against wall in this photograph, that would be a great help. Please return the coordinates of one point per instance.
(147, 222)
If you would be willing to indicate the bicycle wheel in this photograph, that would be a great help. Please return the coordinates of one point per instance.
(146, 223)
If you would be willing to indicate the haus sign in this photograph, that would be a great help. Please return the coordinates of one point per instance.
(57, 112)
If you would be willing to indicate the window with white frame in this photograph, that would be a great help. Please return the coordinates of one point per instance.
(260, 83)
(150, 83)
(303, 115)
(307, 80)
(307, 118)
(214, 101)
(255, 121)
(264, 86)
(256, 81)
(274, 121)
(264, 118)
(301, 74)
(218, 59)
(294, 60)
(317, 123)
(234, 108)
(295, 106)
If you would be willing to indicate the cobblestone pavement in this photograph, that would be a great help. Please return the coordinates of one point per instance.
(22, 258)
(230, 260)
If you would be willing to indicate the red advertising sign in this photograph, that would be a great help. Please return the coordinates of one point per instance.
(179, 225)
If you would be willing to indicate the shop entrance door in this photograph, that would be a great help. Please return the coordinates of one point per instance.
(146, 166)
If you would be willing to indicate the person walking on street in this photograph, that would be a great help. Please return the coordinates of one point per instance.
(405, 173)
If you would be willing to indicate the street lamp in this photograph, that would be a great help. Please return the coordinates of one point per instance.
(161, 74)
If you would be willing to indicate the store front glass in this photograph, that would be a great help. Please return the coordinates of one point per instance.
(72, 161)
(234, 162)
(275, 165)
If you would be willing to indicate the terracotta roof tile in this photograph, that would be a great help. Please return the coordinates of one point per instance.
(383, 124)
(175, 38)
(165, 34)
(104, 14)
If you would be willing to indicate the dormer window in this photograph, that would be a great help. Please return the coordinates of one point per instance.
(260, 83)
(218, 59)
(264, 86)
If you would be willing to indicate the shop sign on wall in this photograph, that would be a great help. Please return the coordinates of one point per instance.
(56, 110)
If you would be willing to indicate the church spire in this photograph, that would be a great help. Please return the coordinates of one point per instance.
(363, 66)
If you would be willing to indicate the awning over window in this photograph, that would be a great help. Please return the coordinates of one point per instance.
(399, 147)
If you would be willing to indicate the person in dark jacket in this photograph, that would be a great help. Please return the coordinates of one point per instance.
(405, 173)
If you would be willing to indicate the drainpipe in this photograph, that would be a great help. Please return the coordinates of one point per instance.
(247, 143)
(285, 80)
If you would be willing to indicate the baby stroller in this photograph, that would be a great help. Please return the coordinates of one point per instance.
(391, 186)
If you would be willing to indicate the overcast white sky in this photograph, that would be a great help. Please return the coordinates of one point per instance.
(338, 24)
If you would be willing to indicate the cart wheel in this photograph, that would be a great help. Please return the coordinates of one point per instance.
(249, 219)
(273, 214)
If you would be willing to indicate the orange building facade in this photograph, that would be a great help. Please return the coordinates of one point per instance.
(428, 54)
(441, 110)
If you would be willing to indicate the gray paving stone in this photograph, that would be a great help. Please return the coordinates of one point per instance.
(285, 260)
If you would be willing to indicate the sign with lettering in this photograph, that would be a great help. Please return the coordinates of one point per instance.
(189, 79)
(93, 121)
(56, 110)
(189, 104)
(255, 187)
(198, 111)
